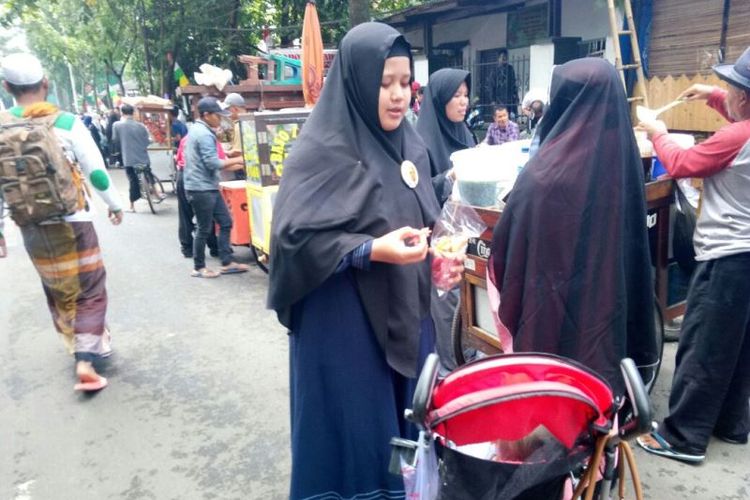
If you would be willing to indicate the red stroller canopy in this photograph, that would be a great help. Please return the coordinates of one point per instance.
(508, 397)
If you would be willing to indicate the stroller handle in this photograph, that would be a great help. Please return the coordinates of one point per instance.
(638, 396)
(423, 392)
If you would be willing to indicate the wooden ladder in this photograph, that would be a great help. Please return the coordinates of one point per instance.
(636, 65)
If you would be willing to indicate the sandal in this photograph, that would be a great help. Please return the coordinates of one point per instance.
(234, 268)
(88, 379)
(204, 273)
(656, 444)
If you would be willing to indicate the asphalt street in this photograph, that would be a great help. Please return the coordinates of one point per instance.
(197, 406)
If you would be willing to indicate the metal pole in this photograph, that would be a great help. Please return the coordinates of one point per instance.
(73, 87)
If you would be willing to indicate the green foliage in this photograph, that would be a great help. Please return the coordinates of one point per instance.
(105, 42)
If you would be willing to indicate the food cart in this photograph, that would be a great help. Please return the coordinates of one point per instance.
(267, 138)
(156, 114)
(474, 325)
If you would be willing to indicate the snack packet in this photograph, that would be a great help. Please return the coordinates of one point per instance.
(457, 223)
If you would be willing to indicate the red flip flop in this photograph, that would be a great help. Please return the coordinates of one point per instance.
(87, 383)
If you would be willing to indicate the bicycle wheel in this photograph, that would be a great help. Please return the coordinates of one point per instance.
(146, 188)
(161, 190)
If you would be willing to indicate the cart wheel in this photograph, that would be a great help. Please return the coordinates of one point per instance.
(261, 259)
(457, 337)
(650, 372)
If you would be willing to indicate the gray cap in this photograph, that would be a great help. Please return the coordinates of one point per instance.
(234, 99)
(737, 74)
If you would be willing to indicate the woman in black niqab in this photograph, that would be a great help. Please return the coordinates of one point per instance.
(358, 327)
(441, 135)
(570, 253)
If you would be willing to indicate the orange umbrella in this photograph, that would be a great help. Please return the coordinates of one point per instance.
(312, 55)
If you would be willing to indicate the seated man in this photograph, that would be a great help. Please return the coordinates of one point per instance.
(502, 129)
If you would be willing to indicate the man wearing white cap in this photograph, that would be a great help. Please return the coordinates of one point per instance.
(711, 384)
(65, 250)
(235, 104)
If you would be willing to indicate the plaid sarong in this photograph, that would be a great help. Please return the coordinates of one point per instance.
(67, 257)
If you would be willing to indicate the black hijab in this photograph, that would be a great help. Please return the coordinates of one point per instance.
(342, 186)
(441, 135)
(570, 253)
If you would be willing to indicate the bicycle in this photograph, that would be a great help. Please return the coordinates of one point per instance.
(147, 183)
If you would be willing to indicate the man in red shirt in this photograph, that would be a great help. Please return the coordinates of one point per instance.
(711, 384)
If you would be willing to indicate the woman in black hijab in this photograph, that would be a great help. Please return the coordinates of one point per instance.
(349, 275)
(570, 253)
(441, 126)
(447, 92)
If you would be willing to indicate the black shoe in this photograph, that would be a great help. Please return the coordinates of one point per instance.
(736, 439)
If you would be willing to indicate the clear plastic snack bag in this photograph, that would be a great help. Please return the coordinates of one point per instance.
(421, 478)
(457, 223)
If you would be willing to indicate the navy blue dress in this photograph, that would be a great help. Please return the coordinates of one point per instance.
(336, 364)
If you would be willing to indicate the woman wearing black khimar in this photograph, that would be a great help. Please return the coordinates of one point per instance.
(442, 135)
(442, 128)
(570, 253)
(349, 275)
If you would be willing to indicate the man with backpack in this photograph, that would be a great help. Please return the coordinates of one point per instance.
(46, 156)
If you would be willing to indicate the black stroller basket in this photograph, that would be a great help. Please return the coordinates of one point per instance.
(518, 426)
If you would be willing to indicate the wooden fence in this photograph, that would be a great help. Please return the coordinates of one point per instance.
(690, 116)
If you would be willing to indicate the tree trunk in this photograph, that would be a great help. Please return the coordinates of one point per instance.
(108, 101)
(146, 51)
(359, 12)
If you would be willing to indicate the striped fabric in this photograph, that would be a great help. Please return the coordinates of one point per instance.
(67, 257)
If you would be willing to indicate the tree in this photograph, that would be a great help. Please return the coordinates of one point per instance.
(97, 40)
(359, 12)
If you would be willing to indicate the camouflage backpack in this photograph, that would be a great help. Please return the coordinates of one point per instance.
(37, 181)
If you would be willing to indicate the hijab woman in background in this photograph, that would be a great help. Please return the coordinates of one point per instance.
(570, 253)
(349, 274)
(441, 124)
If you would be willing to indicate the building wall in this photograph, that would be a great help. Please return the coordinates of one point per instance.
(486, 32)
(585, 18)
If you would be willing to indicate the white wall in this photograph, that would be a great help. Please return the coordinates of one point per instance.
(542, 59)
(421, 73)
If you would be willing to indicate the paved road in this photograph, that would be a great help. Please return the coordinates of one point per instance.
(197, 407)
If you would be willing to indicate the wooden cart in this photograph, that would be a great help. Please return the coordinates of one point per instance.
(158, 121)
(267, 139)
(477, 328)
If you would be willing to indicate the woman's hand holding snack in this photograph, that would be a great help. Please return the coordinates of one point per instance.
(448, 261)
(402, 246)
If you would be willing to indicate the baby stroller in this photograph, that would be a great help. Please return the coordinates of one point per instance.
(518, 426)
